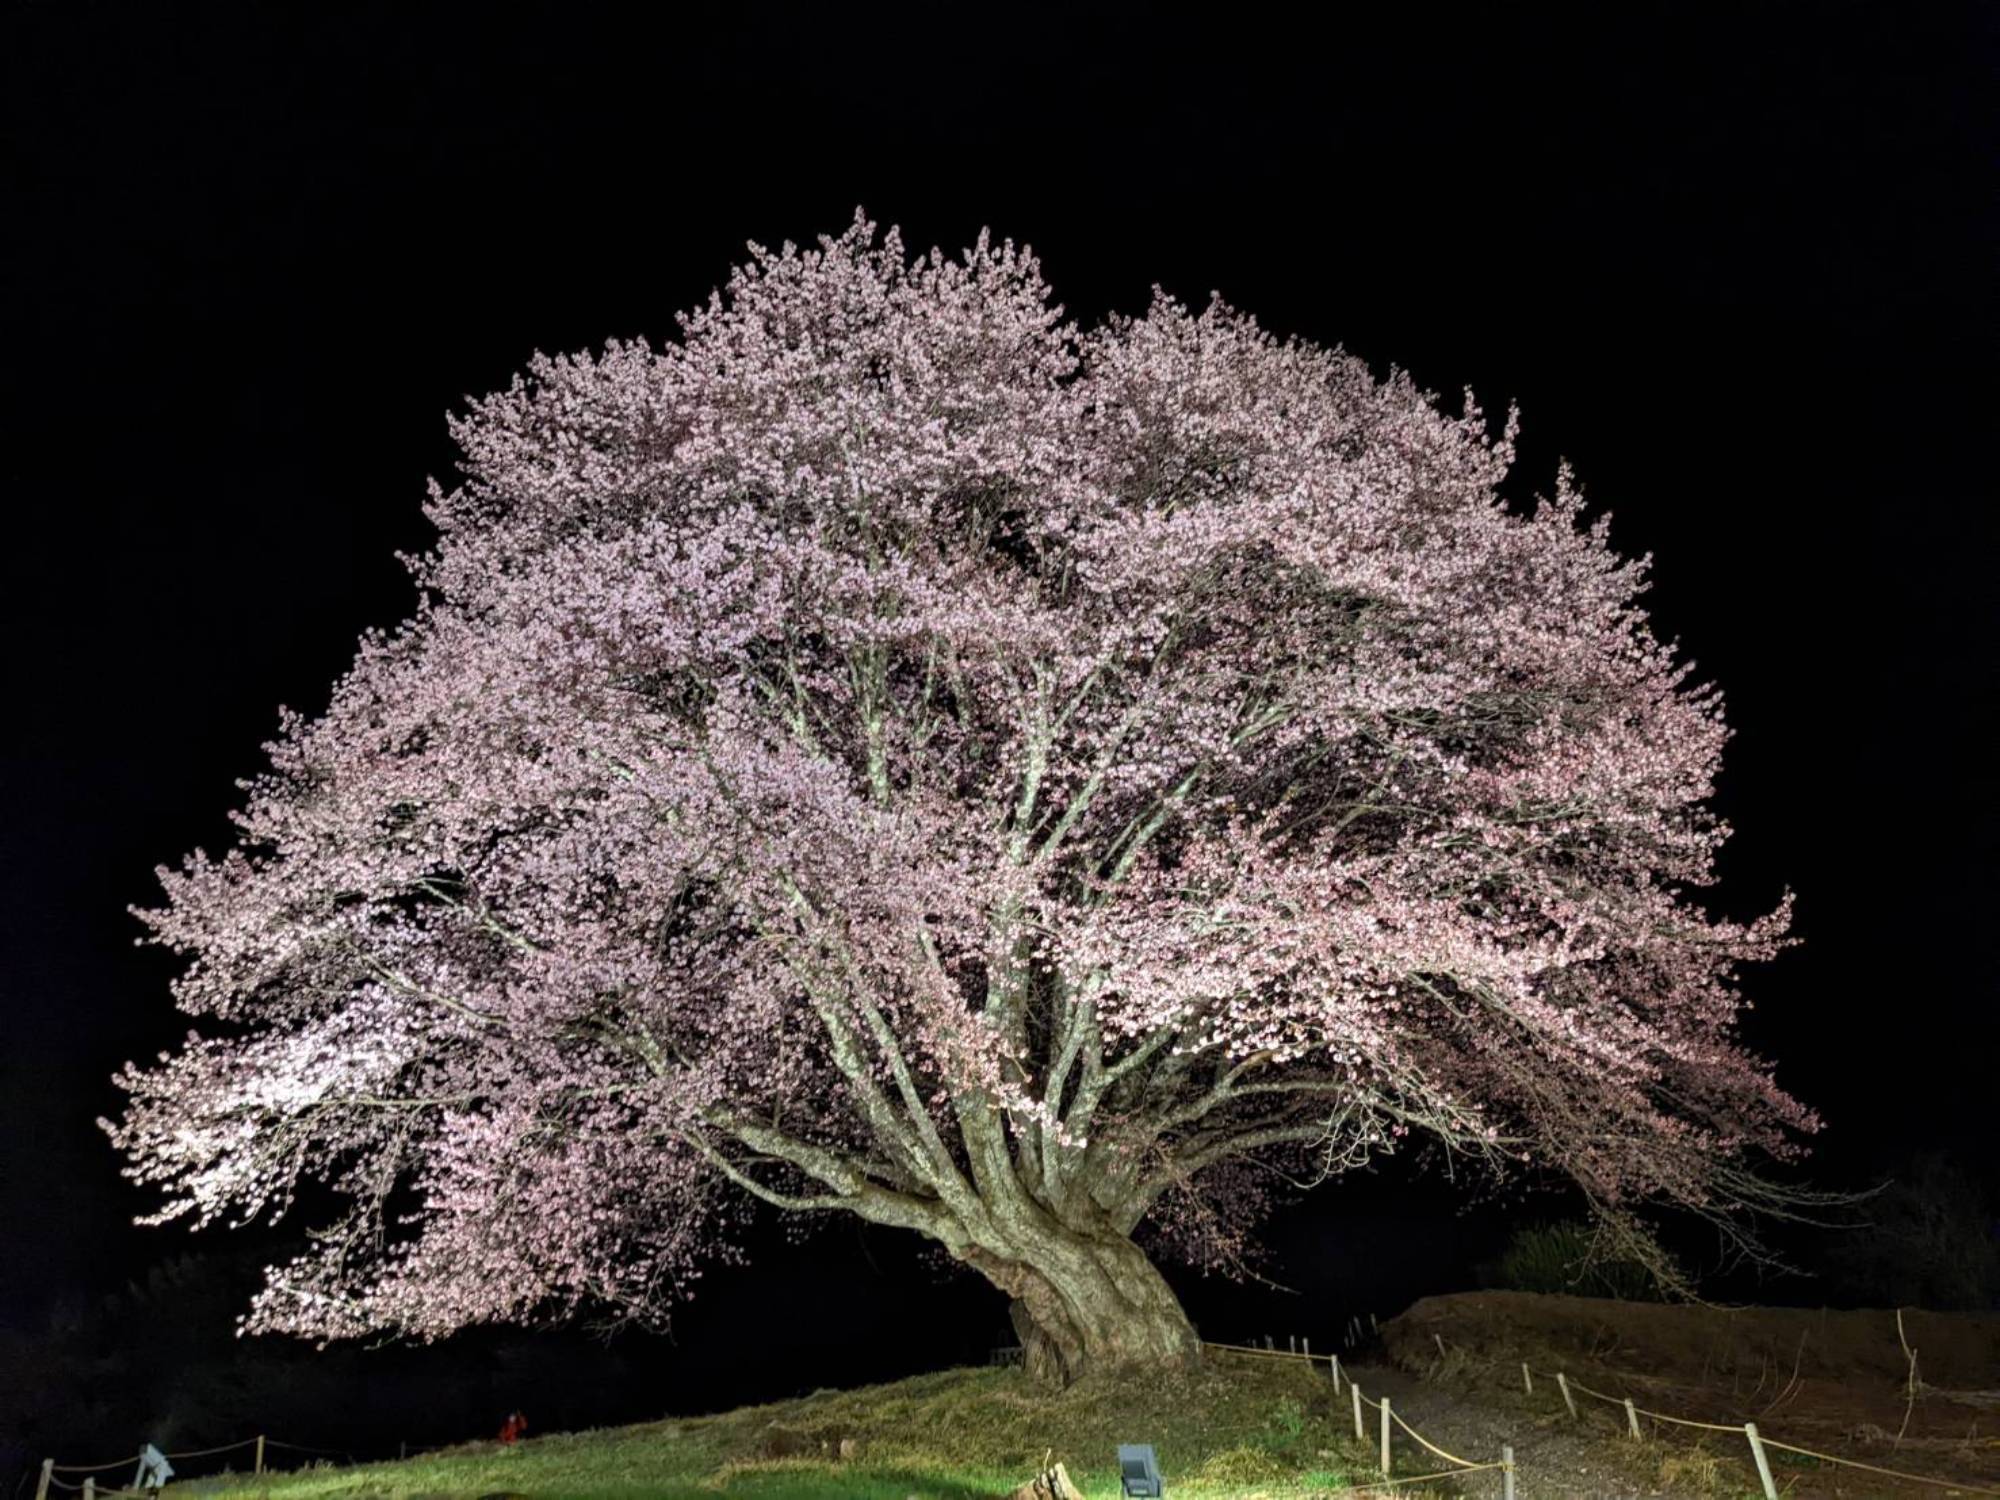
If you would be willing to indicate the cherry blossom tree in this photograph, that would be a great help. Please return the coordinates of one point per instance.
(893, 752)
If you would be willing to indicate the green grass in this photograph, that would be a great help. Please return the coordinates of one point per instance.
(1240, 1427)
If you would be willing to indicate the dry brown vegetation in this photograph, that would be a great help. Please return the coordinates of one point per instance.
(1839, 1382)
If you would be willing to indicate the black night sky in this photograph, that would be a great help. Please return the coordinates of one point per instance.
(1735, 266)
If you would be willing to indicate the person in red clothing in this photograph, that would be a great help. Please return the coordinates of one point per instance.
(512, 1429)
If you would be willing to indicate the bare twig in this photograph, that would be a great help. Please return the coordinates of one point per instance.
(1792, 1385)
(1910, 1354)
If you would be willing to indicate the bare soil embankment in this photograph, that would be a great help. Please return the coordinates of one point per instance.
(1831, 1380)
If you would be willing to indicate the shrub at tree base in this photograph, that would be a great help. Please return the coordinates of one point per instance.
(892, 752)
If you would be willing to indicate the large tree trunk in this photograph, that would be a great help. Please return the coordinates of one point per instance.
(1089, 1303)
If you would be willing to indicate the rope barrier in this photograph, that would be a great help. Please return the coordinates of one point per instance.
(225, 1448)
(1578, 1385)
(1855, 1463)
(1740, 1429)
(1268, 1353)
(1383, 1484)
(186, 1453)
(1465, 1465)
(133, 1458)
(1660, 1416)
(1450, 1458)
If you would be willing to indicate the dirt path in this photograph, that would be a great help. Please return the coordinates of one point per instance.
(1554, 1458)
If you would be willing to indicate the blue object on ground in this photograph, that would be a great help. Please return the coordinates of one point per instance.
(1139, 1469)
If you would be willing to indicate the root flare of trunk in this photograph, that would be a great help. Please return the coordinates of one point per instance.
(1091, 1306)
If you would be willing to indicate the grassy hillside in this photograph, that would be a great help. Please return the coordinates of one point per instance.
(1242, 1427)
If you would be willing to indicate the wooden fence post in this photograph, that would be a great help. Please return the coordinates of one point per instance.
(260, 1453)
(1360, 1432)
(1568, 1400)
(1527, 1380)
(1373, 1326)
(1334, 1364)
(1306, 1346)
(1506, 1472)
(1291, 1343)
(1763, 1464)
(48, 1469)
(1631, 1416)
(1385, 1437)
(90, 1488)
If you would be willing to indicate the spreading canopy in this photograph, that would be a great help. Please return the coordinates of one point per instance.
(893, 751)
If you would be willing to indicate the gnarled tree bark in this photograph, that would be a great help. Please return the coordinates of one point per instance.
(1089, 1302)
